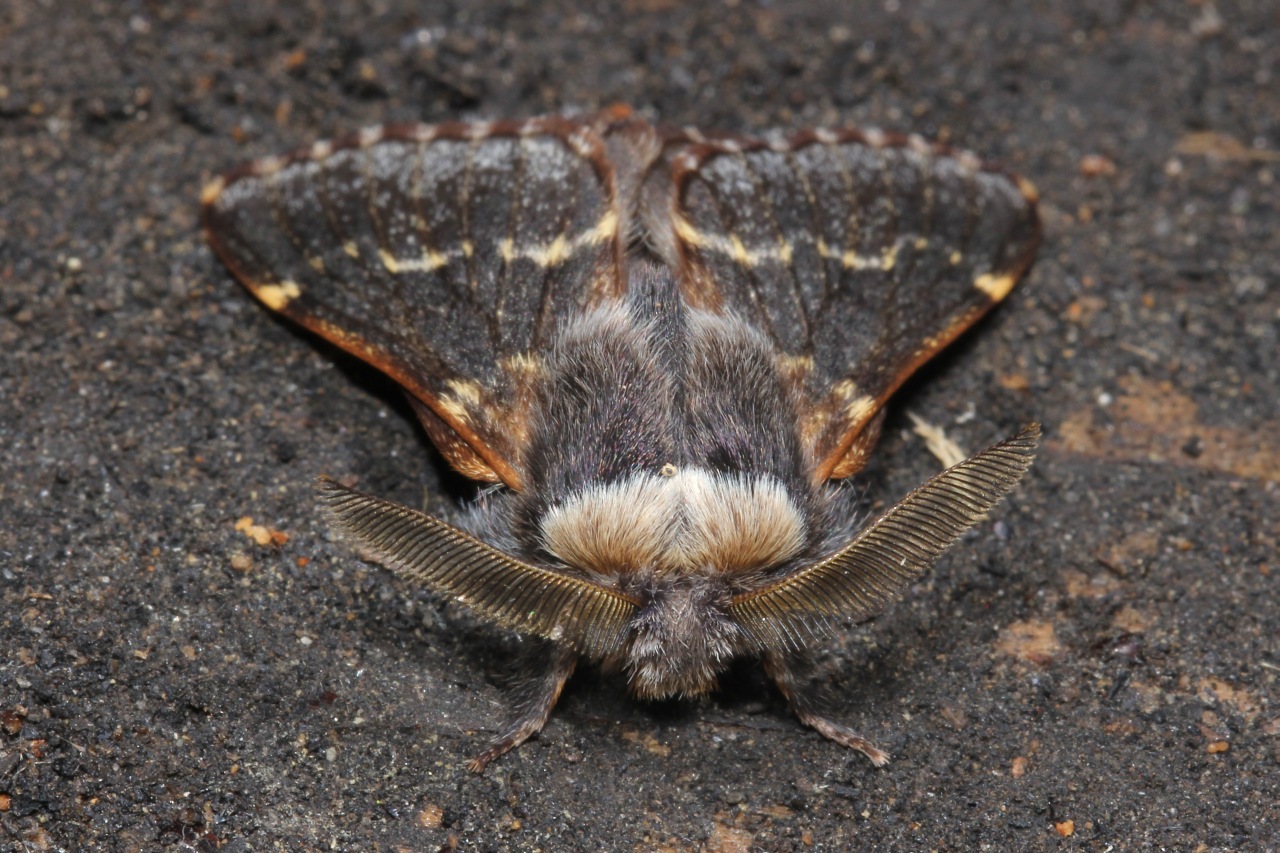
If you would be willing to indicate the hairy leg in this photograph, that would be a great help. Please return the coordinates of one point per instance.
(545, 669)
(793, 673)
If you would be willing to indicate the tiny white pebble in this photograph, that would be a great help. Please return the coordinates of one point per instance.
(968, 161)
(826, 136)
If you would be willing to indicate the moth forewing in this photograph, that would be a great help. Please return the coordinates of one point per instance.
(660, 346)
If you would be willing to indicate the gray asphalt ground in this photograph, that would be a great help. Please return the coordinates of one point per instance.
(1095, 670)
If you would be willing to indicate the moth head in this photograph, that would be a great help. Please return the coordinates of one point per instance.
(681, 640)
(681, 542)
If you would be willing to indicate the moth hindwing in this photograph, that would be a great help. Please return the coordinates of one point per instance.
(668, 349)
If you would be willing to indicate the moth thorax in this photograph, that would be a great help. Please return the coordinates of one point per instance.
(681, 640)
(676, 523)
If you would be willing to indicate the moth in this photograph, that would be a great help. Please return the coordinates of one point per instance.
(666, 350)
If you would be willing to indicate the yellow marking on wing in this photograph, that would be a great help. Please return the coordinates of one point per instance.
(277, 296)
(554, 253)
(860, 409)
(956, 257)
(1028, 190)
(550, 254)
(465, 391)
(885, 261)
(562, 248)
(465, 400)
(210, 192)
(796, 364)
(606, 228)
(523, 364)
(734, 248)
(889, 258)
(316, 263)
(430, 261)
(845, 389)
(851, 260)
(686, 232)
(996, 285)
(351, 249)
(455, 410)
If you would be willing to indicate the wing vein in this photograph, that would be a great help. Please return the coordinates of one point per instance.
(753, 281)
(815, 229)
(468, 244)
(771, 214)
(850, 227)
(430, 243)
(508, 258)
(545, 302)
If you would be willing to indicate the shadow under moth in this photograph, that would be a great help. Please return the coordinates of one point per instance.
(667, 350)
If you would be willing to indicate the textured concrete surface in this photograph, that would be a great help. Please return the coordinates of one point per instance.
(1097, 670)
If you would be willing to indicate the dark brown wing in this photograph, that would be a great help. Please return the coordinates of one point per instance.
(444, 255)
(860, 254)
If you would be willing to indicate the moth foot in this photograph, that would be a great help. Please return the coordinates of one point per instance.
(547, 668)
(499, 747)
(845, 736)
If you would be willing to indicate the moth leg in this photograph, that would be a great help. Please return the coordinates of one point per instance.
(532, 699)
(793, 673)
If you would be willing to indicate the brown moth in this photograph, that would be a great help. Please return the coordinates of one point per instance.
(668, 349)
